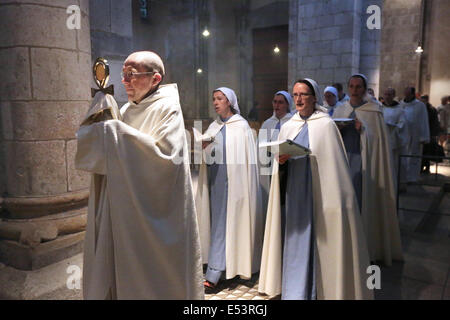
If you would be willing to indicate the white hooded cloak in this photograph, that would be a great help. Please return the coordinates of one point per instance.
(379, 211)
(244, 220)
(340, 243)
(142, 239)
(417, 119)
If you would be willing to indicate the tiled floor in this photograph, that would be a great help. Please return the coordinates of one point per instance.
(238, 289)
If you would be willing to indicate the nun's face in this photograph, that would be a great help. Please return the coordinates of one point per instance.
(304, 99)
(356, 90)
(221, 104)
(280, 106)
(330, 98)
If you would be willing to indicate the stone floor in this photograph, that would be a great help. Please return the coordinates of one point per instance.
(426, 245)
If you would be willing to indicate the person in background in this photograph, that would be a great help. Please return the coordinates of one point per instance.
(397, 126)
(419, 130)
(315, 248)
(330, 95)
(433, 124)
(370, 160)
(228, 197)
(444, 118)
(282, 107)
(342, 97)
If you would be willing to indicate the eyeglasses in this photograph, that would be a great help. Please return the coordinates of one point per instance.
(127, 75)
(301, 94)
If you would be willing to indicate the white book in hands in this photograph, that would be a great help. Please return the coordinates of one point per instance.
(286, 147)
(199, 137)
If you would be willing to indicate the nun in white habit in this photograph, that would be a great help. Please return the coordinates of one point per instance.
(371, 165)
(228, 197)
(282, 111)
(331, 99)
(282, 104)
(315, 248)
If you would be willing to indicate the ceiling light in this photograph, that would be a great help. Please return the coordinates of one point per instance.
(205, 33)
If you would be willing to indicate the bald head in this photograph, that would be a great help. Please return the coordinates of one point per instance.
(389, 95)
(144, 71)
(148, 60)
(410, 94)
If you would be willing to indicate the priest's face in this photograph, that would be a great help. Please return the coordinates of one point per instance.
(304, 99)
(356, 90)
(389, 96)
(221, 104)
(330, 98)
(409, 95)
(137, 86)
(280, 106)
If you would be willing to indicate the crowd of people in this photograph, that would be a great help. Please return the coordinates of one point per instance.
(310, 224)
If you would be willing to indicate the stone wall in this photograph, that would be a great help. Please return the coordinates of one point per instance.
(44, 94)
(172, 30)
(400, 33)
(369, 59)
(329, 41)
(435, 74)
(112, 38)
(225, 57)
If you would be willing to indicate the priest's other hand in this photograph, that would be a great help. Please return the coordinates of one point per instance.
(283, 158)
(358, 125)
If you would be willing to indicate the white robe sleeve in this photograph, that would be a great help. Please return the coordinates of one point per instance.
(403, 129)
(90, 154)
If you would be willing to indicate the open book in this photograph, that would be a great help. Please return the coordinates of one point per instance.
(199, 137)
(344, 121)
(286, 147)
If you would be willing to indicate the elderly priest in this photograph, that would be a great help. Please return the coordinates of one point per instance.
(142, 238)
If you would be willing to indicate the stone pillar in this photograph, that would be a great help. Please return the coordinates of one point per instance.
(44, 93)
(369, 61)
(111, 24)
(329, 40)
(435, 74)
(325, 38)
(400, 34)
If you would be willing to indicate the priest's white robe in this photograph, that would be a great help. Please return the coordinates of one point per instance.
(397, 127)
(244, 214)
(378, 210)
(142, 239)
(417, 118)
(267, 133)
(342, 255)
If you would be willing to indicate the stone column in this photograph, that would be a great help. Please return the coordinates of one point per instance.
(45, 80)
(400, 34)
(369, 61)
(325, 40)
